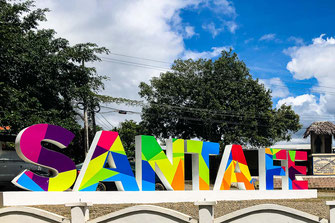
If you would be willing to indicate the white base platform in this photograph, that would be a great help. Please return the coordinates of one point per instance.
(145, 197)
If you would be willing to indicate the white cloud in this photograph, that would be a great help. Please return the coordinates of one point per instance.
(216, 51)
(226, 12)
(296, 40)
(140, 28)
(310, 108)
(248, 40)
(189, 31)
(306, 104)
(278, 88)
(231, 25)
(224, 6)
(212, 29)
(268, 37)
(315, 60)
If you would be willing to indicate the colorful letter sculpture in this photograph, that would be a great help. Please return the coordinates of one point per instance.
(293, 170)
(200, 162)
(233, 169)
(287, 170)
(107, 161)
(28, 147)
(270, 169)
(151, 159)
(106, 148)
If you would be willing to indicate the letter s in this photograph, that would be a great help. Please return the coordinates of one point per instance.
(28, 147)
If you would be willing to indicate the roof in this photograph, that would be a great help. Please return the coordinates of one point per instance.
(291, 146)
(320, 128)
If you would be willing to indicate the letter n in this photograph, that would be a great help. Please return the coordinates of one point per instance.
(151, 159)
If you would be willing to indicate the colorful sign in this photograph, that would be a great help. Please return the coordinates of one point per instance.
(107, 161)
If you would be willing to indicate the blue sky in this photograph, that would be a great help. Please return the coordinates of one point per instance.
(265, 29)
(281, 42)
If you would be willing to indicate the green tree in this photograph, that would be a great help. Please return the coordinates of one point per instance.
(127, 131)
(42, 78)
(217, 101)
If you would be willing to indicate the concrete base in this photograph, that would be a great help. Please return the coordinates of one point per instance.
(148, 213)
(206, 211)
(22, 198)
(331, 205)
(79, 212)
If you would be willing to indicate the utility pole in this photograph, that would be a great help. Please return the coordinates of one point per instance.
(86, 140)
(93, 122)
(86, 128)
(95, 108)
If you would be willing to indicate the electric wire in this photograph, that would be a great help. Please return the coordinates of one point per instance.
(317, 89)
(208, 120)
(102, 122)
(136, 64)
(221, 113)
(166, 62)
(106, 120)
(140, 58)
(107, 126)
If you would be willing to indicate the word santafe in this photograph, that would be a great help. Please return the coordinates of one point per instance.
(151, 159)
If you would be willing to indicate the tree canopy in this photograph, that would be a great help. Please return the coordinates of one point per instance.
(42, 78)
(218, 101)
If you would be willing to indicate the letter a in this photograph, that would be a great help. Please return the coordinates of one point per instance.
(233, 169)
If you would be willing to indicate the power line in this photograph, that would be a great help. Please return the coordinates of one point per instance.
(150, 66)
(136, 64)
(211, 120)
(102, 123)
(215, 112)
(140, 58)
(166, 62)
(199, 109)
(217, 121)
(119, 110)
(106, 120)
(317, 89)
